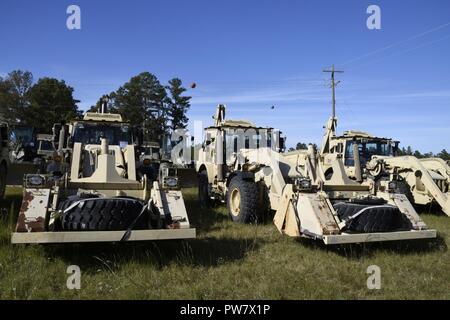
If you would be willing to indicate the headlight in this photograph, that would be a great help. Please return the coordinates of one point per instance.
(172, 182)
(303, 184)
(35, 180)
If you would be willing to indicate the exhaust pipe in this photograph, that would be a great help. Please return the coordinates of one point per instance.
(104, 107)
(104, 146)
(62, 135)
(358, 173)
(219, 155)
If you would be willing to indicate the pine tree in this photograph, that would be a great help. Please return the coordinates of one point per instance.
(14, 100)
(178, 105)
(142, 101)
(444, 155)
(51, 101)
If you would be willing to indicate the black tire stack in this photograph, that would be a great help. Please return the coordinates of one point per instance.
(102, 214)
(375, 218)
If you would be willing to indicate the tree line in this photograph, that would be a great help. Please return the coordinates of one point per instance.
(37, 104)
(408, 151)
(143, 101)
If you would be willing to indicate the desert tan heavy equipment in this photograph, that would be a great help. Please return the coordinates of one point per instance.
(423, 180)
(92, 193)
(242, 164)
(22, 153)
(45, 148)
(367, 158)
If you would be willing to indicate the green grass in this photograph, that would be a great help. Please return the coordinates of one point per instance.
(226, 261)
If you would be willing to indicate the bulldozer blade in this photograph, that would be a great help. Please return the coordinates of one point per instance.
(312, 217)
(378, 236)
(101, 236)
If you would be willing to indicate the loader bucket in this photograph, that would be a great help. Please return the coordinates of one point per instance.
(312, 215)
(45, 218)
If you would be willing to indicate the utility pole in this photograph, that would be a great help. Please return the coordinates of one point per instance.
(333, 85)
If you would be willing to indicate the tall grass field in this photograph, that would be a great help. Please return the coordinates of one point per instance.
(225, 261)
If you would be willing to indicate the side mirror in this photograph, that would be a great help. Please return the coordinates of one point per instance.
(395, 148)
(282, 144)
(55, 131)
(340, 148)
(69, 143)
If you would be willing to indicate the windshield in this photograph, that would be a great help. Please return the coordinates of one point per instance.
(90, 133)
(46, 145)
(236, 139)
(366, 151)
(22, 134)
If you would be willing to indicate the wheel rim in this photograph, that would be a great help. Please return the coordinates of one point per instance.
(235, 202)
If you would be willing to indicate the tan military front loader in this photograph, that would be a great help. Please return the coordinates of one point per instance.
(425, 183)
(91, 192)
(368, 158)
(423, 180)
(255, 176)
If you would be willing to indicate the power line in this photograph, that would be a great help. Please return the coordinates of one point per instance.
(407, 50)
(419, 35)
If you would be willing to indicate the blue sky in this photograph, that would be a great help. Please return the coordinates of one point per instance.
(251, 55)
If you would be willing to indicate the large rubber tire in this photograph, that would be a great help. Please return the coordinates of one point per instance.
(203, 194)
(242, 200)
(2, 181)
(375, 219)
(100, 214)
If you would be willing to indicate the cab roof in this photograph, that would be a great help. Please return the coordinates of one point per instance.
(44, 136)
(351, 134)
(238, 124)
(107, 117)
